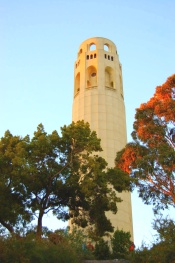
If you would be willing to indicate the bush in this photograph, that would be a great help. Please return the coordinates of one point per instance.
(120, 244)
(102, 250)
(31, 250)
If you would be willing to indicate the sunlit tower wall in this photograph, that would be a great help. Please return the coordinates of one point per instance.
(99, 100)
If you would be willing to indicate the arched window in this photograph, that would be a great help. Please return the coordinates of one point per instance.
(106, 47)
(95, 55)
(112, 58)
(91, 77)
(80, 51)
(109, 77)
(92, 47)
(87, 56)
(91, 56)
(77, 84)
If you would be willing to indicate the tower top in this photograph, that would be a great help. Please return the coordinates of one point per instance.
(97, 43)
(98, 39)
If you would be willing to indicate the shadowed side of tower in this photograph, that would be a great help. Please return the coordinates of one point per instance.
(99, 100)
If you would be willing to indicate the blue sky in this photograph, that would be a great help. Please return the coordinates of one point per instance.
(39, 41)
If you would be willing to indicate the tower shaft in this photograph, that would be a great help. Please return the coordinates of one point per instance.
(99, 100)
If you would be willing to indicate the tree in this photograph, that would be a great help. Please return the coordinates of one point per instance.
(102, 250)
(12, 193)
(54, 248)
(120, 244)
(163, 249)
(63, 174)
(150, 158)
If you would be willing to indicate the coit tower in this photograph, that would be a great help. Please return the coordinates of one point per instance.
(99, 100)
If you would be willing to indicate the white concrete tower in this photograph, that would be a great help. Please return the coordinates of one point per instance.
(99, 100)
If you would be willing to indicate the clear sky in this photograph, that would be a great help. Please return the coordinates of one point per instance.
(39, 41)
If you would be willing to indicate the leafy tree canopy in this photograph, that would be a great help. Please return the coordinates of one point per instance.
(150, 158)
(13, 202)
(63, 174)
(120, 244)
(163, 249)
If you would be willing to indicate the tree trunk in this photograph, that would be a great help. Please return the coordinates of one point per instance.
(39, 226)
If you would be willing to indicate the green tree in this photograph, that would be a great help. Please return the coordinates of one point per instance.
(120, 244)
(163, 249)
(102, 250)
(29, 249)
(63, 174)
(165, 228)
(150, 158)
(13, 203)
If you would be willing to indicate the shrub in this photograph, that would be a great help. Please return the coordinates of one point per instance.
(102, 250)
(31, 250)
(120, 244)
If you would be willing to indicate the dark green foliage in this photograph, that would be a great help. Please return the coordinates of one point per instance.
(13, 201)
(120, 244)
(27, 250)
(57, 247)
(165, 228)
(141, 255)
(159, 253)
(102, 250)
(115, 248)
(163, 251)
(62, 174)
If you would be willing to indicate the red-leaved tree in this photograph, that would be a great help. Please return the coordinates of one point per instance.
(150, 158)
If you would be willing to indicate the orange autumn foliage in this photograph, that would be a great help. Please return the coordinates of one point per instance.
(160, 108)
(128, 157)
(150, 158)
